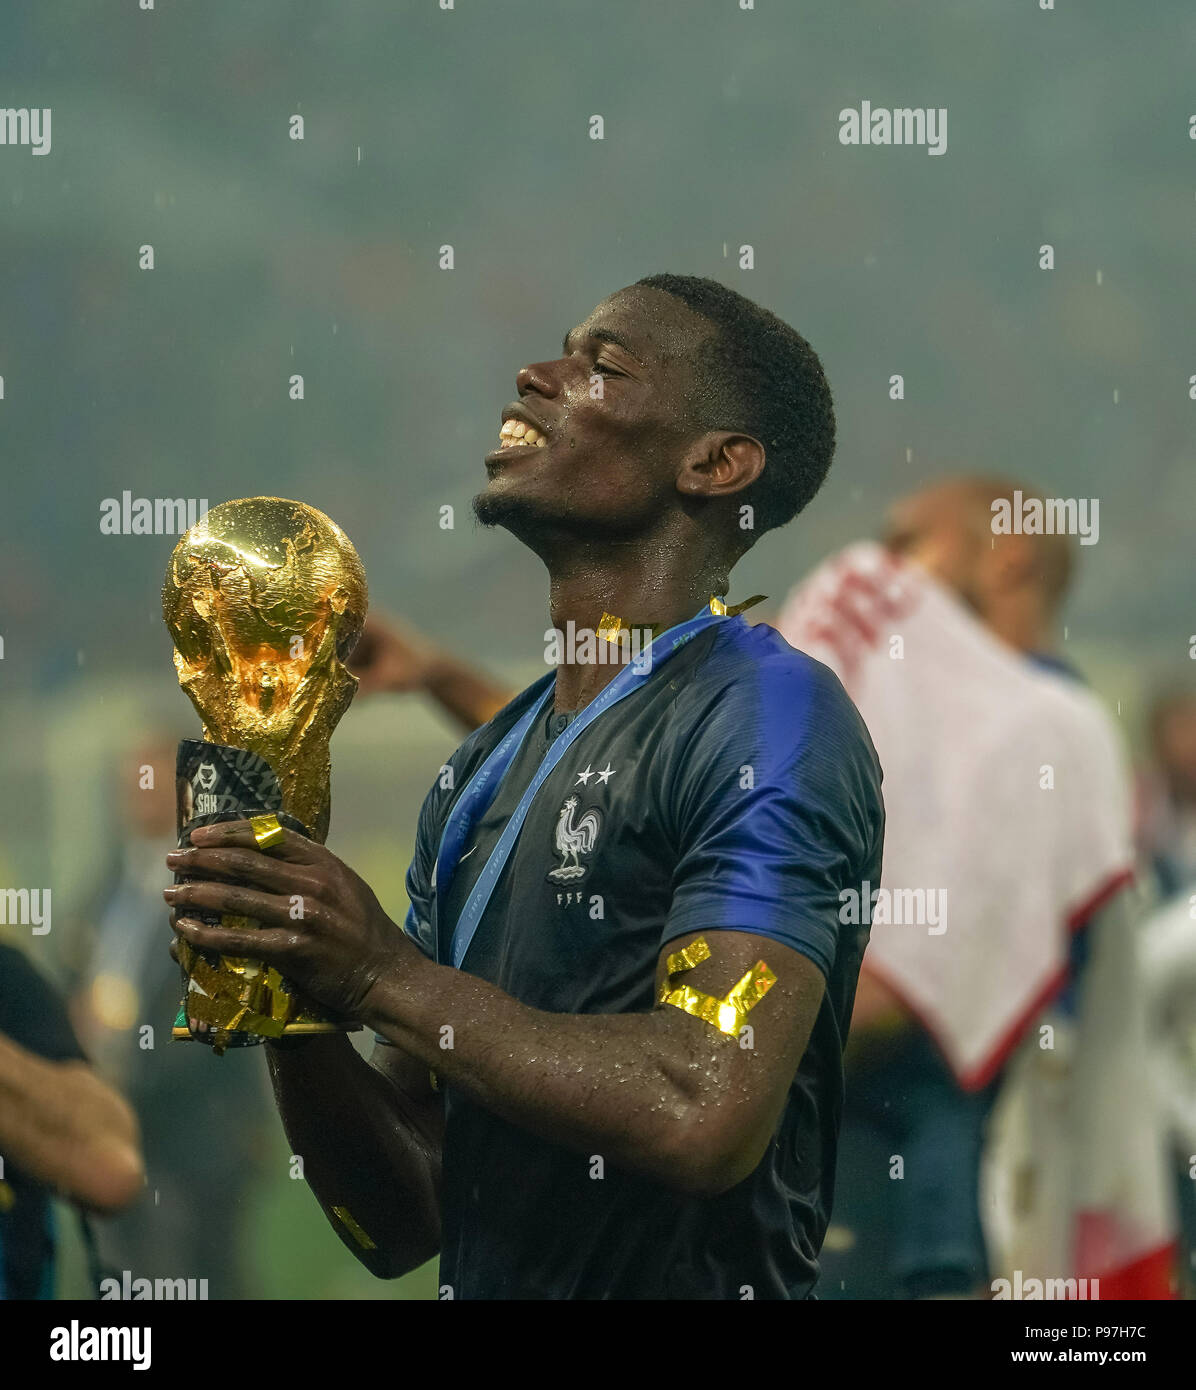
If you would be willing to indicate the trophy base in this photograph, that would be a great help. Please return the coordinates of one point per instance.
(291, 1030)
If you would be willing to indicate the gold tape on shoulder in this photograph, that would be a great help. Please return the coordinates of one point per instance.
(342, 1215)
(726, 1014)
(752, 988)
(689, 956)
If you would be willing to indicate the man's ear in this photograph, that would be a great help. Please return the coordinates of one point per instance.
(720, 464)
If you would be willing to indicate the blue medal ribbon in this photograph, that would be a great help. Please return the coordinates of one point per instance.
(482, 788)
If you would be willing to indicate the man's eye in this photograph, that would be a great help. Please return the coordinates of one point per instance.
(607, 368)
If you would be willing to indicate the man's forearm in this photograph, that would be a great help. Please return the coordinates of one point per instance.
(365, 1152)
(67, 1128)
(635, 1088)
(659, 1092)
(470, 697)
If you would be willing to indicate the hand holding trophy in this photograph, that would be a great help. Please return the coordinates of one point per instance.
(265, 600)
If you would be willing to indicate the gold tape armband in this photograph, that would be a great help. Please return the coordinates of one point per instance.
(726, 1014)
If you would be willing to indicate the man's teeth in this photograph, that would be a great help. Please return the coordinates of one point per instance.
(516, 432)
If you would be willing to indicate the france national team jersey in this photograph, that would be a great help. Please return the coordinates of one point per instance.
(736, 789)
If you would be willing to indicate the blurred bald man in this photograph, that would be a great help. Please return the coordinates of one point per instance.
(1015, 584)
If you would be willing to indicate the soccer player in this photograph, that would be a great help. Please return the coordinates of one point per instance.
(609, 1056)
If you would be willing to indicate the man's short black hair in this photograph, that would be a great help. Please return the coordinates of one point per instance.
(758, 375)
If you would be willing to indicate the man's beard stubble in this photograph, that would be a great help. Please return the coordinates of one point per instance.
(541, 527)
(501, 509)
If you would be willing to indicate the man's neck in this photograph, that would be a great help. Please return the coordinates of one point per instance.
(656, 593)
(1027, 627)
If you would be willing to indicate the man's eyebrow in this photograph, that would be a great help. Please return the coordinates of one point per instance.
(603, 335)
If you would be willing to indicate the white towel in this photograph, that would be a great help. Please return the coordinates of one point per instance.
(1005, 790)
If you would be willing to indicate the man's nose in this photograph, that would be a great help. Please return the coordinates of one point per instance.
(539, 377)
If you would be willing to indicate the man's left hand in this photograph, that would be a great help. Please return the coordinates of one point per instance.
(322, 927)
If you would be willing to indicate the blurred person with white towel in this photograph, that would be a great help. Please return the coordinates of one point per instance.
(1008, 809)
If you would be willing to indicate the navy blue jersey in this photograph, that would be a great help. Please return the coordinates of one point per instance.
(735, 790)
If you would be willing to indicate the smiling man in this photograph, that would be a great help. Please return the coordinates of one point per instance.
(608, 1057)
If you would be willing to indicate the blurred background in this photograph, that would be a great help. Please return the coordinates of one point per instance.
(469, 127)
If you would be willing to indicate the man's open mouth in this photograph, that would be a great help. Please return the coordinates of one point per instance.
(515, 434)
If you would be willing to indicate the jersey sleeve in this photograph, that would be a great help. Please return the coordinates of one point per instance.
(777, 810)
(421, 884)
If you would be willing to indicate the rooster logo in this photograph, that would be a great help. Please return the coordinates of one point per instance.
(574, 840)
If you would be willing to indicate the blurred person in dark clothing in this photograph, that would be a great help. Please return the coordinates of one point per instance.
(63, 1131)
(203, 1119)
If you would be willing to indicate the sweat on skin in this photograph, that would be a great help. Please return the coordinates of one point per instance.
(631, 507)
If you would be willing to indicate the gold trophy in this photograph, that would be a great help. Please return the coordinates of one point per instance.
(265, 600)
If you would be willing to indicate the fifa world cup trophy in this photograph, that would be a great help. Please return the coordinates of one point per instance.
(265, 600)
